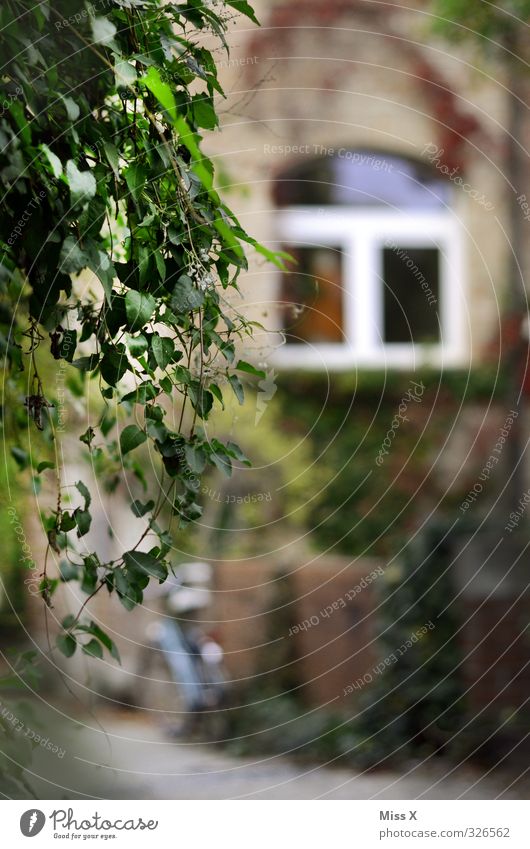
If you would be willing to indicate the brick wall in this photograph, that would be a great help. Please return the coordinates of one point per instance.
(312, 628)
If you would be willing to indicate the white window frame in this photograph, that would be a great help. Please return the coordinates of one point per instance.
(361, 235)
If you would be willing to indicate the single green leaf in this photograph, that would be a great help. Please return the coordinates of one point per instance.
(45, 465)
(235, 451)
(67, 522)
(186, 297)
(140, 509)
(72, 109)
(68, 571)
(125, 74)
(104, 638)
(86, 363)
(137, 345)
(131, 437)
(250, 369)
(139, 560)
(135, 177)
(83, 489)
(163, 350)
(161, 90)
(201, 399)
(103, 30)
(72, 258)
(237, 386)
(83, 520)
(139, 308)
(21, 457)
(214, 389)
(187, 138)
(245, 9)
(55, 162)
(222, 462)
(204, 113)
(142, 394)
(66, 644)
(87, 436)
(99, 262)
(93, 648)
(82, 183)
(113, 157)
(113, 365)
(195, 458)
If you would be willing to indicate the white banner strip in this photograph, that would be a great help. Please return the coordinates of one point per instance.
(268, 824)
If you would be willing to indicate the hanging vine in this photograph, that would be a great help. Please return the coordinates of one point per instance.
(117, 257)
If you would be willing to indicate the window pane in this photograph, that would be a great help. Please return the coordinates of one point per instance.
(312, 302)
(411, 278)
(362, 178)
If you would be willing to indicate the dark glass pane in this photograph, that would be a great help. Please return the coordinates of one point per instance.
(362, 178)
(312, 303)
(411, 278)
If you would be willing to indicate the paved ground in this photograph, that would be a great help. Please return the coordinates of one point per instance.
(136, 761)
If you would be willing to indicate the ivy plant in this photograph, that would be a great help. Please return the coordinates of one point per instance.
(118, 257)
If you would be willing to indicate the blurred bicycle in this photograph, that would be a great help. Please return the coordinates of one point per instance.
(181, 664)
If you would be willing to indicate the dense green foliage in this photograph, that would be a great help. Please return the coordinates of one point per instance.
(492, 23)
(357, 506)
(117, 257)
(416, 707)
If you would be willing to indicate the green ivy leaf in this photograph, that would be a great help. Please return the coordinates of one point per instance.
(67, 522)
(222, 462)
(113, 157)
(83, 520)
(114, 364)
(237, 387)
(245, 9)
(195, 458)
(163, 350)
(45, 465)
(135, 177)
(54, 161)
(66, 644)
(83, 489)
(82, 183)
(214, 389)
(88, 436)
(235, 451)
(250, 369)
(161, 90)
(139, 308)
(204, 113)
(131, 437)
(72, 258)
(140, 561)
(93, 648)
(186, 297)
(103, 30)
(20, 456)
(137, 346)
(103, 638)
(201, 399)
(125, 74)
(140, 509)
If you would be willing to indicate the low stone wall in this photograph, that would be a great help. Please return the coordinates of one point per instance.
(312, 625)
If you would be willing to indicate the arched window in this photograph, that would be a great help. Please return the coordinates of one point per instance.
(378, 274)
